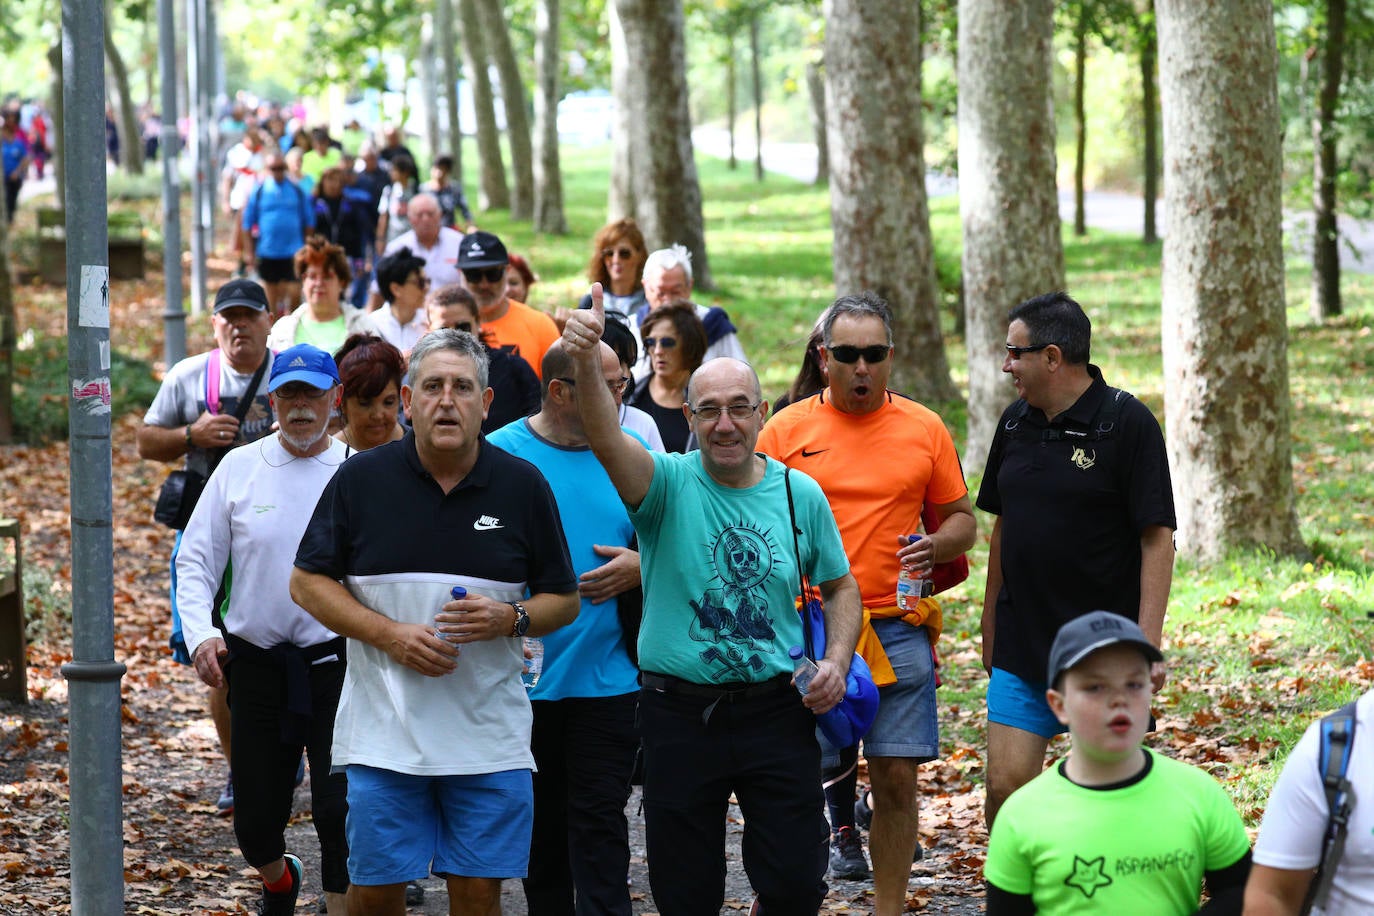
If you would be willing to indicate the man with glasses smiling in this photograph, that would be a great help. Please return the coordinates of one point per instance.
(506, 324)
(1078, 479)
(881, 458)
(718, 712)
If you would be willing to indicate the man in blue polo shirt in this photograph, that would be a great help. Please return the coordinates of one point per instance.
(276, 220)
(434, 724)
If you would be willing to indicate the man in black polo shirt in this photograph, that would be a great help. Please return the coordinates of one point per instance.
(434, 724)
(1079, 481)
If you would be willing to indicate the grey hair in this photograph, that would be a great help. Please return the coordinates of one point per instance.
(460, 342)
(665, 259)
(866, 304)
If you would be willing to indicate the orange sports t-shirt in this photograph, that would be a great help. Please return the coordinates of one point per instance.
(877, 470)
(529, 331)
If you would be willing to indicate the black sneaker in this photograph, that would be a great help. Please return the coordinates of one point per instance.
(284, 902)
(415, 894)
(225, 806)
(847, 860)
(863, 815)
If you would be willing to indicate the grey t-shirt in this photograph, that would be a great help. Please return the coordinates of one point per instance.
(181, 399)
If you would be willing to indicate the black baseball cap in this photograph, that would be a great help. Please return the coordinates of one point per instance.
(481, 249)
(240, 294)
(1084, 635)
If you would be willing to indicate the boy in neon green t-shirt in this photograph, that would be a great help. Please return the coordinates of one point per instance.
(1113, 827)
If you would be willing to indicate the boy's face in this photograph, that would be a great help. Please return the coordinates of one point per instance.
(1105, 702)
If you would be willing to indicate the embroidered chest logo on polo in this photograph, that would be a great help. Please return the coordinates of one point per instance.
(1083, 458)
(487, 523)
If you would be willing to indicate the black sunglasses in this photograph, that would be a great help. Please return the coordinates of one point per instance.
(847, 354)
(623, 253)
(666, 343)
(1018, 352)
(488, 274)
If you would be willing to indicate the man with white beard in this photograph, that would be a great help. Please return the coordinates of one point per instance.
(284, 668)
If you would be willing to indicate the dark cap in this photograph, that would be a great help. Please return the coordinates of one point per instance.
(240, 293)
(481, 249)
(1084, 635)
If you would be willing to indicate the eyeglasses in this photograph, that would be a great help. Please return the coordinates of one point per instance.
(623, 253)
(484, 275)
(1018, 352)
(295, 392)
(616, 386)
(736, 412)
(666, 343)
(847, 354)
(419, 280)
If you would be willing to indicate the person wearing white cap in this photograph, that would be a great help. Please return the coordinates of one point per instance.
(284, 668)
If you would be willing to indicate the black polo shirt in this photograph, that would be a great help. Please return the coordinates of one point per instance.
(384, 513)
(1073, 509)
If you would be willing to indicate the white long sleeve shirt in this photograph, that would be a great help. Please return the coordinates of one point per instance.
(252, 514)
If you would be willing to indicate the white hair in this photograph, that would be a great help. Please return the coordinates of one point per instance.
(665, 259)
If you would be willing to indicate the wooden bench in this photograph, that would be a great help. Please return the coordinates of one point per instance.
(13, 670)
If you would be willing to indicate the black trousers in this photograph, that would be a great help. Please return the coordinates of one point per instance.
(264, 763)
(580, 854)
(761, 747)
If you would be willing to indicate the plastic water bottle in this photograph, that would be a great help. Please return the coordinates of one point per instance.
(535, 663)
(458, 593)
(912, 585)
(803, 669)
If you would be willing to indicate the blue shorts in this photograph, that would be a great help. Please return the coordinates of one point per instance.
(402, 827)
(1021, 704)
(907, 724)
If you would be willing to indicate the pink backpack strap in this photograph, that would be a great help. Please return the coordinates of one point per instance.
(212, 382)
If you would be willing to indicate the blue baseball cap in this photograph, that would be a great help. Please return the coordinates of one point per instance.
(303, 363)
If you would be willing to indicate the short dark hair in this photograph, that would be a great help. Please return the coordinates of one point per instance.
(1055, 318)
(866, 304)
(622, 340)
(366, 363)
(444, 161)
(691, 334)
(397, 268)
(557, 362)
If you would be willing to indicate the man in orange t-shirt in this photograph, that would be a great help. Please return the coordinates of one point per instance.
(506, 324)
(880, 458)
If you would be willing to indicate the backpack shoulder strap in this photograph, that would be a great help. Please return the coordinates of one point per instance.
(1333, 761)
(212, 382)
(1104, 424)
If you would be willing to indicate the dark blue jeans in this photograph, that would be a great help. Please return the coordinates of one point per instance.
(580, 854)
(763, 750)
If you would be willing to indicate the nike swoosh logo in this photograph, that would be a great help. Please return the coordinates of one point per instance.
(806, 454)
(485, 526)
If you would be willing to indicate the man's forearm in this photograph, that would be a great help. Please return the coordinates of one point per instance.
(1156, 577)
(551, 610)
(844, 619)
(991, 589)
(333, 605)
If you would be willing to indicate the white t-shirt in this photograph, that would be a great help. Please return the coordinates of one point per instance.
(1291, 835)
(441, 261)
(401, 336)
(181, 400)
(254, 510)
(246, 166)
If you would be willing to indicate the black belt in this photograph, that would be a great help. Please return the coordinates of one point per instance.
(666, 683)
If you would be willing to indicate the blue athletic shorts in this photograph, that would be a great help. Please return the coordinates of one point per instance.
(1021, 704)
(907, 724)
(402, 827)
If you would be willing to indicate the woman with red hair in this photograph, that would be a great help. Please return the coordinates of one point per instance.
(324, 320)
(370, 370)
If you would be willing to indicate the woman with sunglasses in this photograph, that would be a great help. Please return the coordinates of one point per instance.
(401, 280)
(617, 263)
(675, 341)
(515, 387)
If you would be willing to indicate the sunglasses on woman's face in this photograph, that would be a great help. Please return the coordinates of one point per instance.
(667, 343)
(484, 275)
(623, 253)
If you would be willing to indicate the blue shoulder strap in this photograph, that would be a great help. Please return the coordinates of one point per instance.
(1333, 761)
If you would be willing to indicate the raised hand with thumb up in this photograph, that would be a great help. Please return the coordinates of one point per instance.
(582, 333)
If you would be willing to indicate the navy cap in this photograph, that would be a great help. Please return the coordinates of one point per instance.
(1084, 635)
(481, 249)
(303, 363)
(240, 294)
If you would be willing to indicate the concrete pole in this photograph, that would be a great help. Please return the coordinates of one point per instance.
(195, 72)
(97, 801)
(174, 310)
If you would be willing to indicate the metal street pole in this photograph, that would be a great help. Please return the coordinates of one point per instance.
(97, 801)
(195, 73)
(173, 308)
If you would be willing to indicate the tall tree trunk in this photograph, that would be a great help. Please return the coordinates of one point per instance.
(758, 95)
(131, 142)
(667, 191)
(731, 101)
(548, 175)
(620, 201)
(1007, 196)
(1326, 254)
(815, 88)
(57, 140)
(1080, 121)
(1225, 340)
(877, 180)
(492, 193)
(513, 98)
(8, 332)
(429, 77)
(448, 54)
(1149, 103)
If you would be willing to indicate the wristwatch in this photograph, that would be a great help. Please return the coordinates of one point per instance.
(522, 619)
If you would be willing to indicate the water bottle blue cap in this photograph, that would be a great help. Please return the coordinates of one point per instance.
(458, 592)
(795, 653)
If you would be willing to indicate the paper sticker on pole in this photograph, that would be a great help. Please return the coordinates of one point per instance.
(95, 296)
(92, 395)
